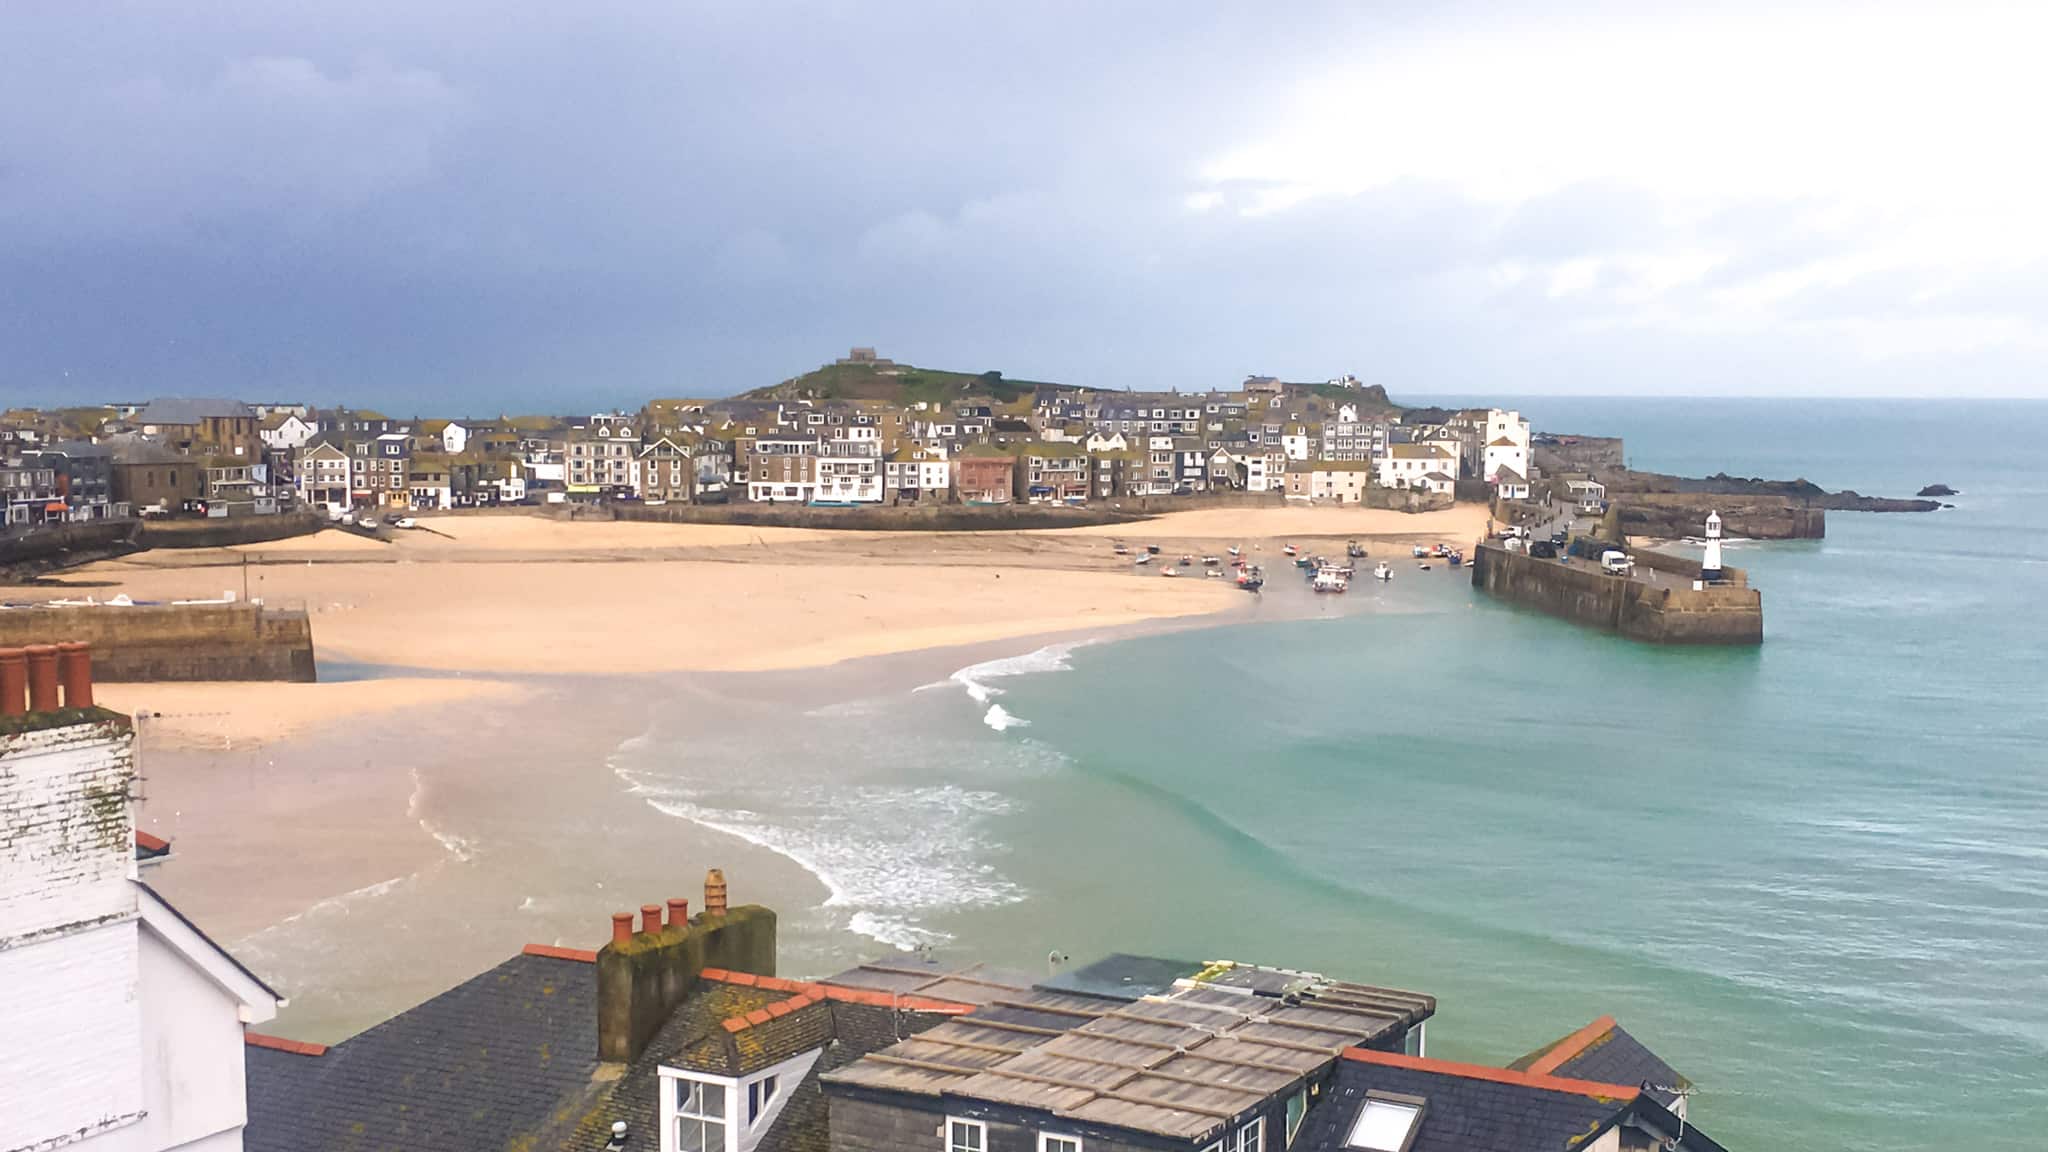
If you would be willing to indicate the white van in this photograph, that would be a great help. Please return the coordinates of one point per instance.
(1615, 562)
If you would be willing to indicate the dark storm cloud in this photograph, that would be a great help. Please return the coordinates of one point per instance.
(457, 206)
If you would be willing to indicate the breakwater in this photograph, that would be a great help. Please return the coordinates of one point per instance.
(148, 642)
(1660, 605)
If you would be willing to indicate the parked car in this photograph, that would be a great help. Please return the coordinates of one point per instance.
(405, 522)
(366, 521)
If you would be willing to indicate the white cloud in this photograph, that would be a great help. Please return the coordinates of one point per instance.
(1893, 143)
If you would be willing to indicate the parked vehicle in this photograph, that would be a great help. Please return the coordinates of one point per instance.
(405, 522)
(1615, 562)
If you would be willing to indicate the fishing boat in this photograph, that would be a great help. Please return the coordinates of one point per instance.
(1152, 549)
(1290, 550)
(1380, 571)
(1424, 566)
(1212, 561)
(1145, 559)
(1251, 579)
(1419, 551)
(1187, 561)
(1215, 572)
(1354, 550)
(1457, 559)
(1236, 551)
(1170, 572)
(1330, 580)
(1307, 563)
(1121, 550)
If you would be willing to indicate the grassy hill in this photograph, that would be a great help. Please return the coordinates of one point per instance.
(902, 385)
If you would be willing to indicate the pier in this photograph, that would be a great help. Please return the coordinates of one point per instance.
(1663, 600)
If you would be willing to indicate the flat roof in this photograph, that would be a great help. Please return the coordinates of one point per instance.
(1147, 1044)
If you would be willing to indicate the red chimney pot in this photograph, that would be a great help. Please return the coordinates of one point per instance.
(678, 912)
(622, 927)
(650, 917)
(74, 668)
(42, 678)
(13, 681)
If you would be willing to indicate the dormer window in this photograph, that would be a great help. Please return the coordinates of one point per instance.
(1386, 1123)
(700, 1116)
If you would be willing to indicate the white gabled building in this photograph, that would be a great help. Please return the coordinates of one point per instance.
(124, 1026)
(1428, 466)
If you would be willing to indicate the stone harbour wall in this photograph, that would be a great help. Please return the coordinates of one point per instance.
(1724, 613)
(149, 642)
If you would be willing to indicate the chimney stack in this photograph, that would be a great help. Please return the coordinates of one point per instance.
(13, 682)
(42, 678)
(642, 976)
(74, 668)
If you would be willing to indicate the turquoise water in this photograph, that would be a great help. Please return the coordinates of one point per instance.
(1813, 876)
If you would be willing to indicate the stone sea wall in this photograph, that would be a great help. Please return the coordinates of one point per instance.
(175, 641)
(1730, 612)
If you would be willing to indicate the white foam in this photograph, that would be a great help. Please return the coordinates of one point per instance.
(890, 855)
(462, 848)
(1001, 720)
(975, 678)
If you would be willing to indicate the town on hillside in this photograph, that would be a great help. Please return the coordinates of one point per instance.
(862, 432)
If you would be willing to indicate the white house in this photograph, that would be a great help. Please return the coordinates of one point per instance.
(289, 434)
(1330, 481)
(1508, 484)
(1428, 466)
(1294, 441)
(123, 1024)
(454, 438)
(1589, 495)
(1097, 442)
(850, 465)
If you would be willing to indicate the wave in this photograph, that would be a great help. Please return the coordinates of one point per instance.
(999, 719)
(890, 855)
(975, 678)
(460, 847)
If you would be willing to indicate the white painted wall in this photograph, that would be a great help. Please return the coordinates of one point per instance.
(193, 1084)
(71, 1047)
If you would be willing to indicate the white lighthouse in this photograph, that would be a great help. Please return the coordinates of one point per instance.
(1710, 564)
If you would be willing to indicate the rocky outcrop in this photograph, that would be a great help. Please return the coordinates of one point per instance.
(1937, 490)
(1674, 515)
(1800, 493)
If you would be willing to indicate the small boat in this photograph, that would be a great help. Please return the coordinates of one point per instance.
(1145, 559)
(1439, 551)
(1170, 572)
(1151, 549)
(1212, 561)
(1307, 562)
(1457, 559)
(1354, 550)
(1235, 551)
(1251, 579)
(1331, 580)
(1290, 550)
(1216, 572)
(1419, 551)
(1380, 571)
(1187, 561)
(1121, 550)
(1424, 566)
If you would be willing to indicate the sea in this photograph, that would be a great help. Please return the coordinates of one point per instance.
(1812, 875)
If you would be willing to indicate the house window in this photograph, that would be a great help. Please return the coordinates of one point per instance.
(966, 1136)
(1252, 1137)
(759, 1093)
(700, 1116)
(1387, 1123)
(1049, 1142)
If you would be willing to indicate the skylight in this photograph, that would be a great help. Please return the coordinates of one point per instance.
(1386, 1125)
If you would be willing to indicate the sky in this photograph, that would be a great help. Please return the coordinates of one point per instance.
(461, 207)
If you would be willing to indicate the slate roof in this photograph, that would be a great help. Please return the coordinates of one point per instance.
(191, 410)
(1469, 1108)
(1604, 1051)
(729, 1028)
(477, 1067)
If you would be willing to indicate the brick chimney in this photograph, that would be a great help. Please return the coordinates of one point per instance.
(642, 976)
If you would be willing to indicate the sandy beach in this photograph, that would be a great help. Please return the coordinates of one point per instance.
(454, 766)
